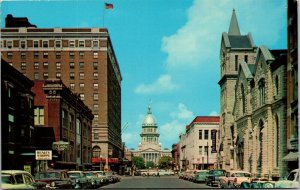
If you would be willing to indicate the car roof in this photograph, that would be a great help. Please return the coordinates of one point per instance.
(238, 171)
(74, 171)
(13, 171)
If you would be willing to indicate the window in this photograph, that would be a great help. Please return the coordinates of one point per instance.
(95, 65)
(95, 75)
(95, 54)
(45, 44)
(71, 43)
(276, 86)
(206, 149)
(96, 117)
(81, 54)
(81, 43)
(200, 150)
(96, 137)
(72, 75)
(36, 54)
(23, 55)
(58, 75)
(57, 55)
(45, 54)
(261, 89)
(96, 96)
(72, 65)
(243, 99)
(246, 58)
(23, 44)
(72, 86)
(81, 76)
(81, 65)
(23, 65)
(82, 97)
(36, 65)
(72, 55)
(236, 62)
(9, 44)
(95, 43)
(36, 76)
(205, 134)
(95, 85)
(96, 107)
(35, 44)
(45, 75)
(39, 116)
(81, 86)
(58, 43)
(9, 55)
(58, 65)
(45, 65)
(200, 134)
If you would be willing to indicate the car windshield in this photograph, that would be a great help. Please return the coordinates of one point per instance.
(218, 172)
(292, 176)
(242, 175)
(74, 175)
(89, 174)
(7, 179)
(45, 175)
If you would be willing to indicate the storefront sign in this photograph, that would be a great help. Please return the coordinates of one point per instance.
(60, 145)
(43, 155)
(213, 139)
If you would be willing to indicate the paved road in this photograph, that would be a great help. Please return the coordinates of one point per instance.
(155, 182)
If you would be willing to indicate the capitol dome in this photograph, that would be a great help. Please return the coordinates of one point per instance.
(149, 119)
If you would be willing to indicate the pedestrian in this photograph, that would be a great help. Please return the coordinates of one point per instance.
(158, 174)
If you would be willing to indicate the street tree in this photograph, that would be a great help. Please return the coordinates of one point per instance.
(150, 164)
(138, 162)
(165, 162)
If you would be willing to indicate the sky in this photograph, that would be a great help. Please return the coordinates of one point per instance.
(167, 50)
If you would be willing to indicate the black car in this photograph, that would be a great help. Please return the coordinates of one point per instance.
(55, 179)
(213, 177)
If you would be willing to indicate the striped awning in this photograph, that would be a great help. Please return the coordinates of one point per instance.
(292, 156)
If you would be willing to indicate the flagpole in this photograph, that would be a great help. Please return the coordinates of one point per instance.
(103, 11)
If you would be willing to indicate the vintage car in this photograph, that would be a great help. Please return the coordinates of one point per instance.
(102, 176)
(80, 180)
(55, 179)
(93, 178)
(257, 184)
(213, 177)
(200, 176)
(19, 179)
(291, 181)
(234, 178)
(166, 172)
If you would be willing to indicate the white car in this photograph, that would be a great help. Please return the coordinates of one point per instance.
(292, 180)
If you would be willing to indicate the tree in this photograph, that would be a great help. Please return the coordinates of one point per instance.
(150, 164)
(138, 162)
(165, 162)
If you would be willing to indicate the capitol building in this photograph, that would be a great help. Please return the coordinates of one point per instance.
(150, 148)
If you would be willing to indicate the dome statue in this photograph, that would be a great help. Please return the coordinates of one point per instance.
(149, 119)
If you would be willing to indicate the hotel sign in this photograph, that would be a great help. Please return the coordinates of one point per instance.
(43, 155)
(213, 139)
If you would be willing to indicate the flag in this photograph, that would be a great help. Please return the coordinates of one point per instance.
(109, 6)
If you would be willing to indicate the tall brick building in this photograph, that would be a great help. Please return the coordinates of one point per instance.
(84, 59)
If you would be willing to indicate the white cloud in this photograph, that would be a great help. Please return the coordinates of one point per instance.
(214, 113)
(182, 113)
(163, 84)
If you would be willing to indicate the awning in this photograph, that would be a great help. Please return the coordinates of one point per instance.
(292, 156)
(28, 154)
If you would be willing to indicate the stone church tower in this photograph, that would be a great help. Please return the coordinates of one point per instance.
(235, 48)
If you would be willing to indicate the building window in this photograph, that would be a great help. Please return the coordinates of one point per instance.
(9, 44)
(261, 88)
(95, 85)
(36, 44)
(96, 117)
(45, 44)
(96, 96)
(95, 65)
(71, 43)
(200, 134)
(81, 54)
(45, 54)
(236, 62)
(36, 76)
(72, 65)
(276, 86)
(81, 86)
(45, 65)
(96, 137)
(58, 43)
(82, 97)
(23, 55)
(95, 54)
(81, 76)
(36, 65)
(9, 55)
(95, 43)
(58, 55)
(72, 55)
(95, 75)
(246, 58)
(36, 54)
(58, 65)
(58, 75)
(39, 117)
(96, 149)
(200, 150)
(81, 65)
(81, 43)
(96, 107)
(72, 86)
(72, 75)
(276, 140)
(23, 65)
(205, 134)
(23, 44)
(45, 75)
(243, 99)
(206, 149)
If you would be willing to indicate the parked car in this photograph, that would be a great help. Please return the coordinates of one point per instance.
(80, 180)
(234, 178)
(257, 185)
(19, 179)
(213, 177)
(291, 181)
(55, 179)
(93, 179)
(180, 174)
(101, 175)
(166, 172)
(200, 176)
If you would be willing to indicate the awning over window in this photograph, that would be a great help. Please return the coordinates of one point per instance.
(292, 156)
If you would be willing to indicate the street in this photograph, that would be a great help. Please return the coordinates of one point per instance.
(155, 182)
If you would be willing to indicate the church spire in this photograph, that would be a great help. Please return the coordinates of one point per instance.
(234, 29)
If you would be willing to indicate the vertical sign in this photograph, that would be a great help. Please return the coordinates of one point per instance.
(213, 139)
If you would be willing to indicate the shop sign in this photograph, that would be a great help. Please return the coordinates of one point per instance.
(60, 145)
(43, 155)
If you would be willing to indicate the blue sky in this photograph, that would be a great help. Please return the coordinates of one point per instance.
(168, 50)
